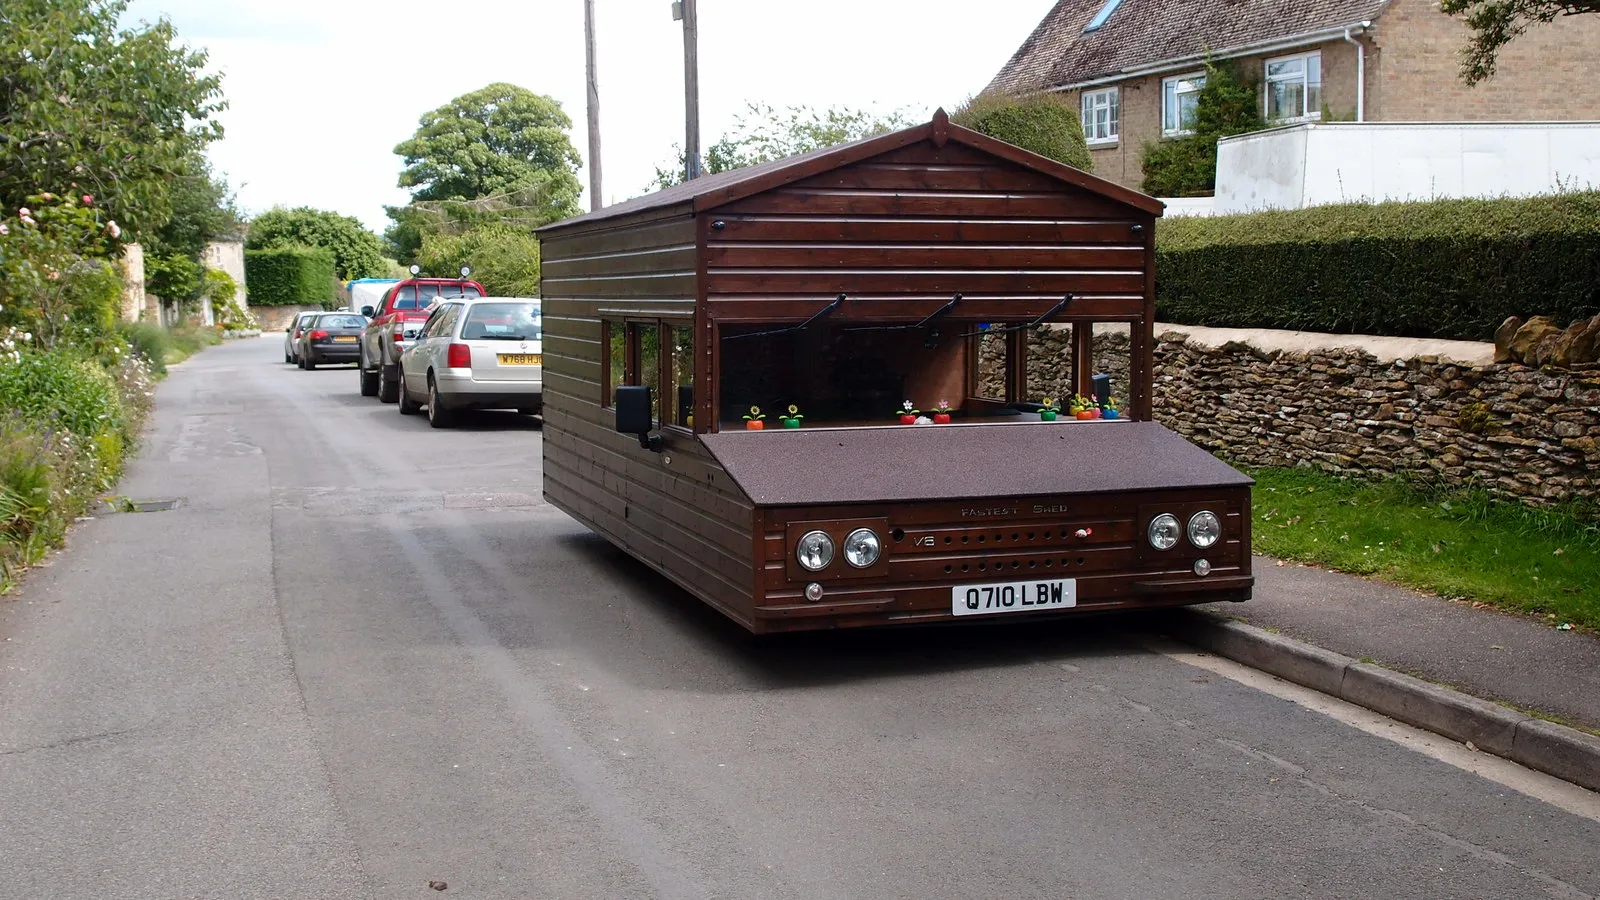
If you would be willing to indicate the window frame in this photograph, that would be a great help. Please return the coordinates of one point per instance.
(1113, 108)
(1308, 115)
(1179, 131)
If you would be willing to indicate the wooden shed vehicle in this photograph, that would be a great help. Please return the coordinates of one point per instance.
(813, 297)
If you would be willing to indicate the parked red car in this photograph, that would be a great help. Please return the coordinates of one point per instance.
(396, 320)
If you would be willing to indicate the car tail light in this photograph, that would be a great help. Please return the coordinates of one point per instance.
(319, 335)
(459, 357)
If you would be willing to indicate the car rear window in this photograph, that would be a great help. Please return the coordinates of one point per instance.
(421, 296)
(342, 321)
(503, 321)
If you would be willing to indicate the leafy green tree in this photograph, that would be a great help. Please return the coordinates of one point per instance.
(763, 133)
(1228, 104)
(496, 141)
(504, 258)
(172, 276)
(357, 253)
(1046, 124)
(203, 210)
(89, 107)
(1496, 23)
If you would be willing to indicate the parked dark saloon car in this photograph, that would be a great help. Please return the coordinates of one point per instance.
(331, 338)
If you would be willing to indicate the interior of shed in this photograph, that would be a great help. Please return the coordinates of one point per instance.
(843, 375)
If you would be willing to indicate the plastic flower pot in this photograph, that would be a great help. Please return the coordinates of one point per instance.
(1047, 415)
(1085, 414)
(755, 425)
(941, 418)
(1094, 413)
(908, 419)
(1112, 414)
(791, 423)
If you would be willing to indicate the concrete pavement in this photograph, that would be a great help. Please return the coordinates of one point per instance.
(363, 655)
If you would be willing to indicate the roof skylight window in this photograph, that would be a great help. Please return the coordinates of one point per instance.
(1101, 16)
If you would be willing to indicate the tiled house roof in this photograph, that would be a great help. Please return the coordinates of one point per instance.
(1142, 32)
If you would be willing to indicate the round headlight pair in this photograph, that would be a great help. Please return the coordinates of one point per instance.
(815, 550)
(1204, 530)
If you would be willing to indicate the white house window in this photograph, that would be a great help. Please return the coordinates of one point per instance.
(1180, 96)
(1294, 88)
(1100, 116)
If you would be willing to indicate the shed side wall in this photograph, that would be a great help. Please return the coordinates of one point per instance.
(685, 518)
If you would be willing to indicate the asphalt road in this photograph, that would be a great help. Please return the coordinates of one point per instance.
(362, 655)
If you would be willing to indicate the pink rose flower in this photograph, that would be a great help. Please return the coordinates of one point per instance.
(113, 230)
(24, 212)
(88, 198)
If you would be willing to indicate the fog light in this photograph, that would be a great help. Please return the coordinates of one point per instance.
(813, 592)
(1202, 567)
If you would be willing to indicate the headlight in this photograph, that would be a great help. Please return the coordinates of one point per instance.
(1164, 531)
(815, 551)
(861, 548)
(1204, 528)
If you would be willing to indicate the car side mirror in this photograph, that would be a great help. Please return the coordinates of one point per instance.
(367, 311)
(633, 415)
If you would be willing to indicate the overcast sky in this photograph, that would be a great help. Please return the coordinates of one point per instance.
(321, 91)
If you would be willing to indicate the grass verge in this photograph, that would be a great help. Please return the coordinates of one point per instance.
(1462, 545)
(188, 340)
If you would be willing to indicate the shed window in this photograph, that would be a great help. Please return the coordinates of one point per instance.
(1180, 98)
(1294, 88)
(1100, 114)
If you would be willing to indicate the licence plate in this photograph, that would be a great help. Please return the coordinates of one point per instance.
(344, 339)
(522, 359)
(1013, 596)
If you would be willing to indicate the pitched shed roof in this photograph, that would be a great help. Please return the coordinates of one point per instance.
(1142, 33)
(709, 191)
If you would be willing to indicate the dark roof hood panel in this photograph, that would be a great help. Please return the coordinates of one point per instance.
(790, 467)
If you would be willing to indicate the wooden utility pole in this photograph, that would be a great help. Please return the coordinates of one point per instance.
(594, 108)
(691, 89)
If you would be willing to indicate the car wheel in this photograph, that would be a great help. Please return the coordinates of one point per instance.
(311, 361)
(408, 406)
(438, 416)
(388, 386)
(287, 358)
(369, 378)
(300, 361)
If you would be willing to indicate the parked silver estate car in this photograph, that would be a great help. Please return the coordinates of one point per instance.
(475, 353)
(291, 337)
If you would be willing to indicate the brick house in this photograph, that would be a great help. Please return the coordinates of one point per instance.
(1135, 66)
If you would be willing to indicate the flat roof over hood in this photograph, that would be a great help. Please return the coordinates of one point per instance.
(795, 467)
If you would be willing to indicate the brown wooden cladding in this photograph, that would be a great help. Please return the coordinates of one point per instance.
(677, 511)
(920, 223)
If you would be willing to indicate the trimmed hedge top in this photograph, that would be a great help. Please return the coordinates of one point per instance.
(289, 276)
(1444, 268)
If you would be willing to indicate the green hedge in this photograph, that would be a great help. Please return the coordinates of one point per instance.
(1444, 268)
(1048, 124)
(289, 276)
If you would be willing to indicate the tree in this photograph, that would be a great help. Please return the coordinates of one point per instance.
(1187, 166)
(1495, 23)
(499, 140)
(86, 108)
(762, 133)
(56, 283)
(1046, 124)
(357, 253)
(504, 258)
(203, 210)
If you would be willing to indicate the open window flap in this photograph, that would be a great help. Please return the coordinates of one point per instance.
(789, 467)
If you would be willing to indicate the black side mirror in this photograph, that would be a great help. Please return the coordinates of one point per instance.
(367, 311)
(633, 415)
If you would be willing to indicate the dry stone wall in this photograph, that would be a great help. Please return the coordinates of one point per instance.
(1532, 434)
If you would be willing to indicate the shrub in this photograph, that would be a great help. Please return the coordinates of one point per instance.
(1228, 104)
(289, 276)
(149, 341)
(1047, 124)
(1443, 268)
(504, 258)
(60, 389)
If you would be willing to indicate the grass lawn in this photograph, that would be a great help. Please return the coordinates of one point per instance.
(1458, 545)
(187, 340)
